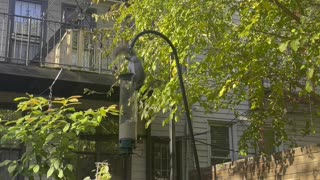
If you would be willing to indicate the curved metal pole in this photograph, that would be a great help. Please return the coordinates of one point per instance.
(183, 90)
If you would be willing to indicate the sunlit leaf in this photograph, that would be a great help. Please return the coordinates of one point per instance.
(283, 46)
(50, 171)
(295, 44)
(309, 86)
(310, 73)
(36, 168)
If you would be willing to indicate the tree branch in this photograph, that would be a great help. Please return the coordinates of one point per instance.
(272, 34)
(286, 10)
(314, 95)
(300, 7)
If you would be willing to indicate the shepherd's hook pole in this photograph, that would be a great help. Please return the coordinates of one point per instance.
(183, 90)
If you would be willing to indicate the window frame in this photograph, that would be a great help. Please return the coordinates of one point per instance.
(179, 157)
(165, 142)
(90, 10)
(18, 38)
(232, 131)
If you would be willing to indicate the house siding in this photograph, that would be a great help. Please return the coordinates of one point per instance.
(138, 162)
(201, 128)
(201, 121)
(298, 119)
(4, 6)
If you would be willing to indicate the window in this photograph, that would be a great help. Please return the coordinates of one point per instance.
(83, 53)
(26, 32)
(102, 146)
(221, 143)
(23, 8)
(83, 50)
(161, 161)
(91, 151)
(73, 15)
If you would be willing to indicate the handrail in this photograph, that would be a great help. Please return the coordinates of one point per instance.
(61, 40)
(42, 19)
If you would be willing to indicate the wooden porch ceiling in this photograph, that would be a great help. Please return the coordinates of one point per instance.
(36, 80)
(51, 73)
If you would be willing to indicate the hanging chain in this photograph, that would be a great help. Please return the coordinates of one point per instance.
(310, 111)
(51, 90)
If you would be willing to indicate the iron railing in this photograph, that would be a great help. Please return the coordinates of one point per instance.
(39, 42)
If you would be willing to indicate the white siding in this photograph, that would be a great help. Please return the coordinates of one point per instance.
(163, 131)
(201, 122)
(298, 119)
(138, 159)
(4, 6)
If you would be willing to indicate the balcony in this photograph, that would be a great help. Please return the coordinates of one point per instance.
(28, 41)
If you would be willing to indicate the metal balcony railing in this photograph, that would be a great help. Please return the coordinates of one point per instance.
(37, 42)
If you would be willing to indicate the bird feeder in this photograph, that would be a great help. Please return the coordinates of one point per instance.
(128, 115)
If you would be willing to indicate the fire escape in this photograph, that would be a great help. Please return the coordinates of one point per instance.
(45, 42)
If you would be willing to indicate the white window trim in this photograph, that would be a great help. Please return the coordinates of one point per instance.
(233, 138)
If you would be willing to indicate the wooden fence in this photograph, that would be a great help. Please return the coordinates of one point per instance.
(301, 163)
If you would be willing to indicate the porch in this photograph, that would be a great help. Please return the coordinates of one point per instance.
(29, 41)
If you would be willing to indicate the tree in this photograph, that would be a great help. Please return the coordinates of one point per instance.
(263, 51)
(50, 132)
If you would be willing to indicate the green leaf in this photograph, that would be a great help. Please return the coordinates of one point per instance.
(36, 168)
(99, 119)
(5, 163)
(60, 175)
(254, 105)
(310, 73)
(20, 98)
(12, 168)
(283, 46)
(66, 127)
(50, 171)
(56, 164)
(49, 138)
(70, 167)
(148, 123)
(309, 86)
(295, 44)
(222, 91)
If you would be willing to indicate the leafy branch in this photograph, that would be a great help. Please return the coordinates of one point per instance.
(286, 10)
(50, 135)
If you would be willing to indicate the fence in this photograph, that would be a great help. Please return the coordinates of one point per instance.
(297, 163)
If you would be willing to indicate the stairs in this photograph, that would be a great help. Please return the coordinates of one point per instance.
(71, 21)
